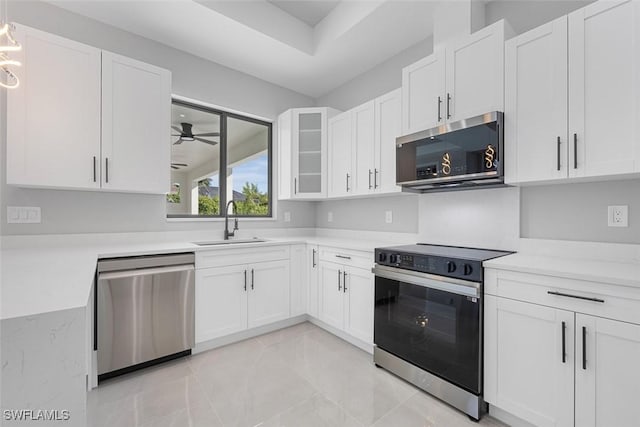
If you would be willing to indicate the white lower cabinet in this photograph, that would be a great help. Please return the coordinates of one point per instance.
(232, 299)
(346, 299)
(313, 277)
(552, 355)
(299, 279)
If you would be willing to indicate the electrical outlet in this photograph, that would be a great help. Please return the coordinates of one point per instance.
(388, 217)
(330, 217)
(618, 216)
(23, 215)
(287, 217)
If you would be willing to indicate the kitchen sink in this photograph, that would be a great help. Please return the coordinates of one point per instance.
(229, 242)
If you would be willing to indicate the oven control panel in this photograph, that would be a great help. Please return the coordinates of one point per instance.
(437, 265)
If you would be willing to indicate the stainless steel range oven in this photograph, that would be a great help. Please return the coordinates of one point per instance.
(428, 320)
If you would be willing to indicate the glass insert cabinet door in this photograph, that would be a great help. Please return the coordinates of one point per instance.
(310, 133)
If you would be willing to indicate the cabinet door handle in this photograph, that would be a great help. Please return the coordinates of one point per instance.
(575, 151)
(295, 185)
(343, 256)
(561, 294)
(375, 178)
(245, 280)
(252, 279)
(558, 154)
(94, 169)
(313, 258)
(448, 106)
(348, 182)
(564, 344)
(344, 281)
(339, 286)
(584, 347)
(439, 106)
(370, 173)
(106, 169)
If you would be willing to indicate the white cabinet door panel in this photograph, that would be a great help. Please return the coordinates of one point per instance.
(475, 73)
(388, 128)
(313, 277)
(136, 121)
(331, 308)
(299, 279)
(221, 302)
(268, 292)
(536, 116)
(423, 91)
(363, 144)
(339, 167)
(53, 117)
(525, 373)
(604, 89)
(608, 380)
(360, 304)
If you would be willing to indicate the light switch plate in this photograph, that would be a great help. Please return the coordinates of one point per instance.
(287, 217)
(618, 216)
(388, 217)
(23, 215)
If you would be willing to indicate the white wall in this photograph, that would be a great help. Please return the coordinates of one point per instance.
(193, 77)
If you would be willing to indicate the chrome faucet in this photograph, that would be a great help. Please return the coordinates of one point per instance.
(228, 233)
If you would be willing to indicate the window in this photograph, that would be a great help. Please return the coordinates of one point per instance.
(217, 157)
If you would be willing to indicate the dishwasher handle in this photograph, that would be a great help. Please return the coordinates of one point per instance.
(145, 272)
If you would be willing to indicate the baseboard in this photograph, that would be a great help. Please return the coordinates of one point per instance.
(249, 333)
(368, 347)
(507, 418)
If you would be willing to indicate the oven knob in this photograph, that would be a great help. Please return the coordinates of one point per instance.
(382, 257)
(393, 259)
(468, 269)
(451, 266)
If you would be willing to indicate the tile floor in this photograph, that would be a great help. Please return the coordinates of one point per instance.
(299, 376)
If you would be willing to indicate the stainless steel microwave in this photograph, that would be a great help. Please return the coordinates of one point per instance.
(455, 156)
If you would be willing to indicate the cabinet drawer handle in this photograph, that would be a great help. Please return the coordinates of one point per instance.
(252, 279)
(439, 106)
(94, 169)
(584, 347)
(559, 153)
(564, 344)
(339, 286)
(575, 151)
(344, 281)
(560, 294)
(448, 106)
(106, 169)
(343, 257)
(370, 173)
(375, 178)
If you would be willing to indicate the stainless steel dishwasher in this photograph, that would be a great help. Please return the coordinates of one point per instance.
(144, 311)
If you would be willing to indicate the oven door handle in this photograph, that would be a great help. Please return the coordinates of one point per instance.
(458, 287)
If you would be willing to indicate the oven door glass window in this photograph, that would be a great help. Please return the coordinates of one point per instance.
(435, 330)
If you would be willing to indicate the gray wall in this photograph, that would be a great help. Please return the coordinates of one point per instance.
(78, 211)
(579, 211)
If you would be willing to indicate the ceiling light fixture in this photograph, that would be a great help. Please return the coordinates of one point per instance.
(8, 44)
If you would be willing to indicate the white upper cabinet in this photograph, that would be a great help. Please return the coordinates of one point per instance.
(604, 89)
(388, 128)
(87, 119)
(362, 142)
(53, 117)
(339, 175)
(423, 88)
(475, 74)
(536, 104)
(302, 153)
(573, 96)
(136, 113)
(463, 80)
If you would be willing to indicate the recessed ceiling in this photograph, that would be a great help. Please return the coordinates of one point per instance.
(308, 11)
(261, 39)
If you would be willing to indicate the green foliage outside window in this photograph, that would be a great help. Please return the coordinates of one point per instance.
(255, 202)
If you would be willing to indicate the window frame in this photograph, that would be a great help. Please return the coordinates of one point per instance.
(222, 172)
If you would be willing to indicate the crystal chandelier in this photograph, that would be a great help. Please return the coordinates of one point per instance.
(8, 44)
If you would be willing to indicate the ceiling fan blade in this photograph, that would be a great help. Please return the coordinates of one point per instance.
(177, 129)
(179, 141)
(174, 167)
(207, 134)
(206, 141)
(179, 164)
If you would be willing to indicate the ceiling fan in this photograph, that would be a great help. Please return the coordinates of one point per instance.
(178, 165)
(186, 134)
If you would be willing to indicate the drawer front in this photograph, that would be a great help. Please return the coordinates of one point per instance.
(349, 257)
(597, 299)
(236, 256)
